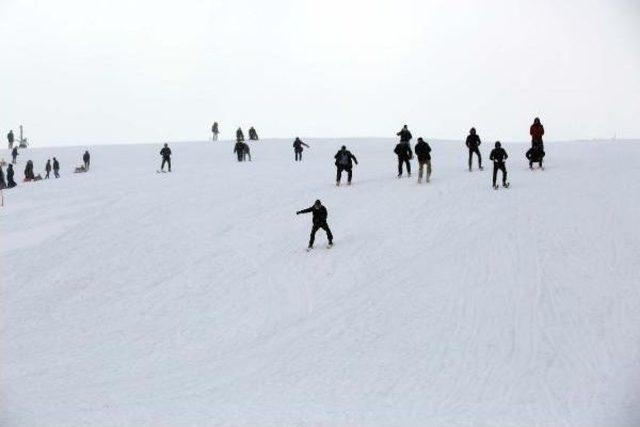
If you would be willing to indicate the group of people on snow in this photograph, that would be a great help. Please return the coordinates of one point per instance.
(253, 134)
(8, 180)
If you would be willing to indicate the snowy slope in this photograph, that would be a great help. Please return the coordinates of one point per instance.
(136, 298)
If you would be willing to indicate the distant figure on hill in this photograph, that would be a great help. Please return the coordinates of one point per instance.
(423, 153)
(405, 135)
(47, 169)
(536, 152)
(498, 156)
(403, 151)
(253, 135)
(319, 221)
(344, 162)
(10, 173)
(10, 139)
(473, 144)
(14, 155)
(86, 159)
(56, 168)
(215, 131)
(298, 149)
(166, 157)
(239, 135)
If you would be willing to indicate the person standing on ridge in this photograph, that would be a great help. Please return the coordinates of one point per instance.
(166, 157)
(473, 143)
(253, 135)
(47, 169)
(423, 153)
(10, 173)
(403, 151)
(239, 135)
(536, 152)
(14, 155)
(498, 156)
(86, 158)
(10, 139)
(298, 149)
(215, 131)
(56, 168)
(405, 135)
(239, 150)
(319, 221)
(344, 162)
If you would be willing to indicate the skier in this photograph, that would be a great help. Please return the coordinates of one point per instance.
(297, 148)
(405, 135)
(10, 138)
(86, 158)
(253, 135)
(56, 168)
(166, 157)
(28, 171)
(10, 182)
(403, 151)
(14, 155)
(319, 221)
(423, 153)
(214, 131)
(239, 135)
(344, 162)
(536, 152)
(239, 149)
(473, 142)
(47, 169)
(498, 156)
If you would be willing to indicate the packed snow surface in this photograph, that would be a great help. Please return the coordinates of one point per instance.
(136, 298)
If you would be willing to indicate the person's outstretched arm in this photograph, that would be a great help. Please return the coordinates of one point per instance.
(354, 159)
(305, 145)
(303, 211)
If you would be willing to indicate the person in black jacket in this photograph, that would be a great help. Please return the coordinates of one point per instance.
(239, 135)
(403, 151)
(14, 155)
(319, 221)
(28, 171)
(10, 139)
(423, 153)
(47, 169)
(10, 182)
(3, 183)
(297, 148)
(86, 158)
(473, 143)
(498, 156)
(344, 162)
(56, 168)
(166, 157)
(239, 149)
(405, 135)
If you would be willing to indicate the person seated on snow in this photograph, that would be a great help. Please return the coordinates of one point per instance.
(423, 153)
(319, 221)
(28, 171)
(80, 169)
(498, 156)
(403, 151)
(166, 157)
(298, 149)
(473, 143)
(405, 135)
(10, 173)
(344, 162)
(535, 155)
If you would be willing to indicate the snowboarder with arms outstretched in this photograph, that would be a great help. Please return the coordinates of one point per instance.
(423, 153)
(298, 148)
(536, 153)
(10, 139)
(403, 151)
(14, 155)
(166, 157)
(473, 143)
(319, 221)
(498, 156)
(215, 131)
(344, 162)
(47, 169)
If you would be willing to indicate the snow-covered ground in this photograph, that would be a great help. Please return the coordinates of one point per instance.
(136, 298)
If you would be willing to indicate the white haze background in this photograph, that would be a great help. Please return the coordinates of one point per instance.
(135, 71)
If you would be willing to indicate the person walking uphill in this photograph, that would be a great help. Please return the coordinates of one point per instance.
(166, 157)
(498, 156)
(473, 143)
(405, 135)
(423, 153)
(86, 158)
(403, 151)
(241, 150)
(344, 162)
(56, 168)
(319, 221)
(298, 149)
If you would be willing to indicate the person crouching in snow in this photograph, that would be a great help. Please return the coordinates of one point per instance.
(319, 221)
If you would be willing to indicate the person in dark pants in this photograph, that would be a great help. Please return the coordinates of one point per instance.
(166, 157)
(10, 139)
(214, 131)
(14, 155)
(405, 135)
(298, 148)
(536, 153)
(10, 181)
(239, 150)
(319, 221)
(47, 169)
(473, 143)
(498, 156)
(56, 168)
(86, 158)
(403, 151)
(344, 162)
(423, 152)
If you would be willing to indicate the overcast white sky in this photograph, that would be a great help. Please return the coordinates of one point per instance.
(94, 71)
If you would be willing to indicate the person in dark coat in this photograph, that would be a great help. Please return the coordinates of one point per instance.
(344, 162)
(28, 171)
(239, 150)
(214, 131)
(319, 221)
(239, 135)
(86, 158)
(3, 183)
(10, 139)
(536, 152)
(253, 135)
(473, 143)
(10, 173)
(14, 155)
(298, 148)
(47, 169)
(166, 157)
(405, 135)
(498, 156)
(56, 168)
(423, 153)
(403, 151)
